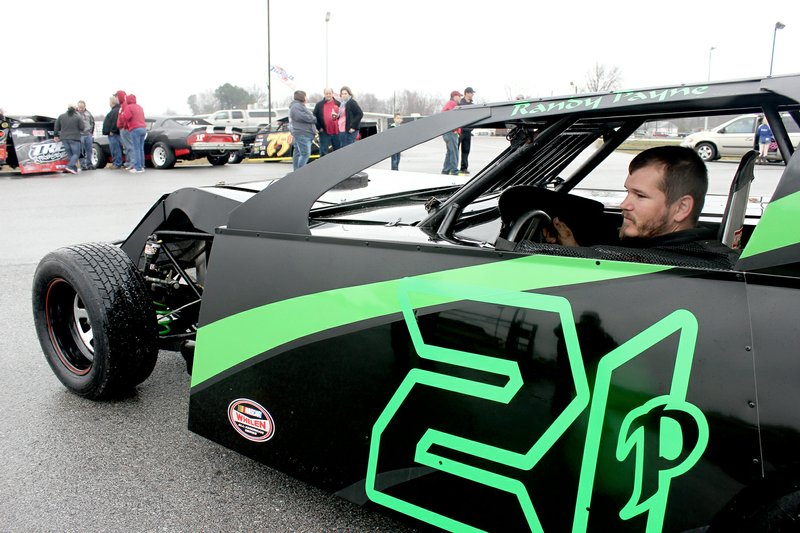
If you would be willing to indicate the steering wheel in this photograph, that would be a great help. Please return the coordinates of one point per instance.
(530, 225)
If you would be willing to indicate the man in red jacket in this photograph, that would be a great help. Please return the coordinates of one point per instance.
(134, 119)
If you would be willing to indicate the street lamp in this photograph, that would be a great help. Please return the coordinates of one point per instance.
(705, 121)
(269, 75)
(778, 26)
(327, 19)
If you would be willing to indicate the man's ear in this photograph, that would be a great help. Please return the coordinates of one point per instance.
(682, 208)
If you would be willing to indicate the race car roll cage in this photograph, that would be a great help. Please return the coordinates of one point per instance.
(547, 134)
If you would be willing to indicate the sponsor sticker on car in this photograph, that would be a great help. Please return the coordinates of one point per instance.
(251, 420)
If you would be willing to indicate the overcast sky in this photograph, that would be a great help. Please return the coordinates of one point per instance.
(57, 52)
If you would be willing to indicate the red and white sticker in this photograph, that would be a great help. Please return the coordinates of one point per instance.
(251, 420)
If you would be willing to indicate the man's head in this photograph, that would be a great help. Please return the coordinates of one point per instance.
(469, 92)
(300, 96)
(328, 94)
(81, 106)
(666, 187)
(398, 118)
(455, 95)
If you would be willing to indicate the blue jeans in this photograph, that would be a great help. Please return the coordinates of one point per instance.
(346, 138)
(395, 161)
(86, 147)
(301, 149)
(328, 139)
(128, 146)
(451, 157)
(115, 144)
(137, 140)
(73, 149)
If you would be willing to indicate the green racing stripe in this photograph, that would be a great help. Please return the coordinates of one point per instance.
(235, 339)
(779, 227)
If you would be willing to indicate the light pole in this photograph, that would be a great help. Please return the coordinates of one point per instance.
(269, 76)
(705, 120)
(778, 26)
(327, 19)
(574, 86)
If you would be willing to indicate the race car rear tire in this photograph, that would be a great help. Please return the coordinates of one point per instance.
(95, 320)
(218, 160)
(99, 156)
(162, 156)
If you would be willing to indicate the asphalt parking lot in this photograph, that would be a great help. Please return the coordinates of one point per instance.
(70, 464)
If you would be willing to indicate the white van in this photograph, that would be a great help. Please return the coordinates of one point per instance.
(735, 137)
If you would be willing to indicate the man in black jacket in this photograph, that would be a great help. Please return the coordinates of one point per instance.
(111, 130)
(68, 131)
(326, 111)
(465, 141)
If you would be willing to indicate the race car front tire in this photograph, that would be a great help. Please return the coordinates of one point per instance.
(218, 160)
(234, 158)
(94, 319)
(99, 156)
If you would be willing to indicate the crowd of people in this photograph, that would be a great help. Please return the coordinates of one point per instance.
(336, 122)
(124, 125)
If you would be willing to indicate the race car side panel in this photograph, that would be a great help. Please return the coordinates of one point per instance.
(474, 389)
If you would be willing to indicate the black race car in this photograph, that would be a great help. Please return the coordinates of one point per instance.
(425, 353)
(172, 138)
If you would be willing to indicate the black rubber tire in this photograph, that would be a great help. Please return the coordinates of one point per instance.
(162, 156)
(218, 160)
(234, 158)
(707, 151)
(99, 156)
(95, 320)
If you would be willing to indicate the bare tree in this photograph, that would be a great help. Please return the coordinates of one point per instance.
(408, 102)
(603, 78)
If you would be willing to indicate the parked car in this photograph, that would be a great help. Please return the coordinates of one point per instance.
(410, 343)
(735, 137)
(248, 120)
(28, 143)
(173, 138)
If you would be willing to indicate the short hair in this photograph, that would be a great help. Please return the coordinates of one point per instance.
(300, 95)
(81, 102)
(684, 173)
(346, 88)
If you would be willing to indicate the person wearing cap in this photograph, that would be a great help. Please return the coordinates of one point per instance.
(451, 139)
(111, 130)
(465, 141)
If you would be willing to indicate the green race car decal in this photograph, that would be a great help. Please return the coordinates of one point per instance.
(236, 339)
(412, 293)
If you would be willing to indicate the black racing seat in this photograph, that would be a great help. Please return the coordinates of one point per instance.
(730, 229)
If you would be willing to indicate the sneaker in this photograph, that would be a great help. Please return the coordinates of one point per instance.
(70, 170)
(115, 167)
(134, 171)
(464, 171)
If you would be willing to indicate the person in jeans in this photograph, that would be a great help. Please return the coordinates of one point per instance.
(465, 141)
(303, 125)
(325, 112)
(134, 119)
(87, 136)
(111, 130)
(451, 139)
(349, 117)
(398, 119)
(124, 132)
(68, 131)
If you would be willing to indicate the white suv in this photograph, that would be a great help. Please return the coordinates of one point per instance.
(735, 137)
